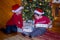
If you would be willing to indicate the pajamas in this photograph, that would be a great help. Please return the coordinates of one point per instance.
(10, 29)
(38, 31)
(15, 20)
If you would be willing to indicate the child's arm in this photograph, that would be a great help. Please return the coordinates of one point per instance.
(49, 23)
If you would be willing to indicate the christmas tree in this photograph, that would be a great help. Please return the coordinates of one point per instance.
(30, 5)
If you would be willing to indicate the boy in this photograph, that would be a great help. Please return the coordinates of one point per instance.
(15, 24)
(41, 23)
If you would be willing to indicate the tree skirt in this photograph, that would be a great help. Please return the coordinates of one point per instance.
(47, 36)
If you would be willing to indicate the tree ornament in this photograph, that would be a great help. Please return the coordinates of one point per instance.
(25, 3)
(47, 10)
(50, 4)
(30, 6)
(41, 0)
(34, 0)
(40, 3)
(33, 5)
(46, 0)
(30, 0)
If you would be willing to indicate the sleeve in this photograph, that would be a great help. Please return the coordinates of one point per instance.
(15, 20)
(18, 21)
(47, 20)
(49, 23)
(21, 22)
(45, 24)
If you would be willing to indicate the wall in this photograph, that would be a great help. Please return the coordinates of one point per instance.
(5, 10)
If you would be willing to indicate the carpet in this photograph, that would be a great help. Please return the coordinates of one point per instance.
(16, 37)
(50, 36)
(47, 36)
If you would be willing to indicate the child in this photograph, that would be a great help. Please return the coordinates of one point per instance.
(15, 24)
(41, 23)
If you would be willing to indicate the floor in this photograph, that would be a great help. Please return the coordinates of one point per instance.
(51, 34)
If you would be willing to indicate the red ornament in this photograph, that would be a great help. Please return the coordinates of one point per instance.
(30, 0)
(50, 4)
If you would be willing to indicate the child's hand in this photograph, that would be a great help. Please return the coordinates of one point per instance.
(18, 22)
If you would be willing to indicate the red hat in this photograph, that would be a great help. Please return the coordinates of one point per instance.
(17, 8)
(39, 11)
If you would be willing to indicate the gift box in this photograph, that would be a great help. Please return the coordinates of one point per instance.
(27, 29)
(41, 25)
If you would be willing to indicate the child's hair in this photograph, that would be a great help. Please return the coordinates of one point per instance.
(36, 14)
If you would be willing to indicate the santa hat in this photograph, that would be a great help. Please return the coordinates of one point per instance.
(39, 11)
(17, 8)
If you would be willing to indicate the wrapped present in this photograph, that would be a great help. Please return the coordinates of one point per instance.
(28, 26)
(41, 25)
(27, 29)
